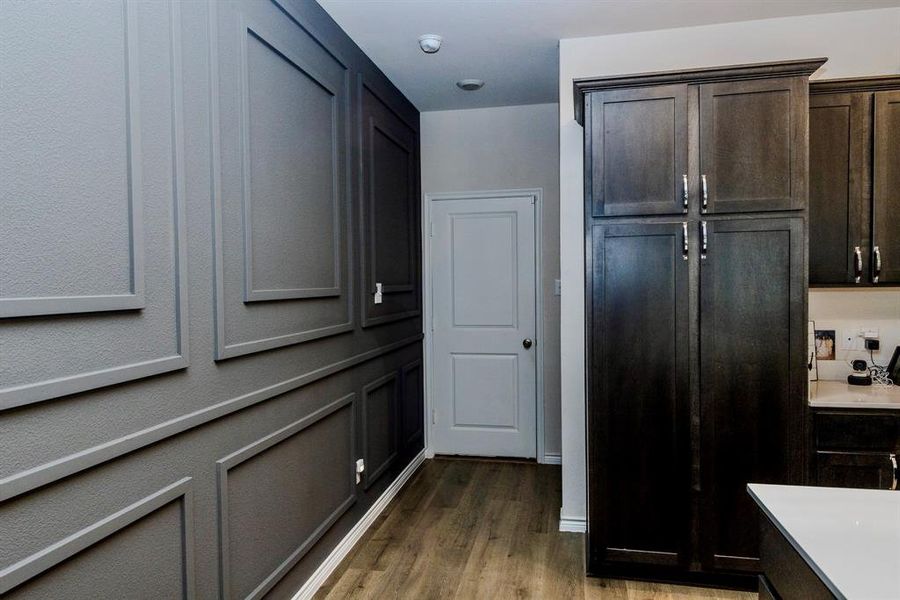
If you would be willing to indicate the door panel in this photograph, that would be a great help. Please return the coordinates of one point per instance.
(753, 144)
(886, 203)
(838, 195)
(485, 390)
(752, 377)
(483, 269)
(638, 409)
(638, 151)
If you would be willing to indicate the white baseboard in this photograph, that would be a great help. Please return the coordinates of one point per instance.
(321, 574)
(552, 458)
(572, 524)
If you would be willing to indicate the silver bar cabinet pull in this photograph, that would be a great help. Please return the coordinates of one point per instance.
(704, 240)
(893, 458)
(684, 242)
(684, 192)
(877, 272)
(705, 192)
(857, 263)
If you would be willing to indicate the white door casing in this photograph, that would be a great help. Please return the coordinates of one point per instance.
(483, 306)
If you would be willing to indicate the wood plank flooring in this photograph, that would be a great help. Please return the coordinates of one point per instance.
(469, 529)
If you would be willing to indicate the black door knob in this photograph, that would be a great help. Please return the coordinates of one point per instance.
(527, 343)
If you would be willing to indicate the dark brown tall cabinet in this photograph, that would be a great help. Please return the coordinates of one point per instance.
(695, 238)
(854, 181)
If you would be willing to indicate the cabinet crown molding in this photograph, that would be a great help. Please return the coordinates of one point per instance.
(875, 83)
(785, 68)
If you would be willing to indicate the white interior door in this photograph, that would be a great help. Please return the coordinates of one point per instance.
(484, 325)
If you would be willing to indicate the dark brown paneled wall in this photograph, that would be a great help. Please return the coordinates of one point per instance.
(198, 200)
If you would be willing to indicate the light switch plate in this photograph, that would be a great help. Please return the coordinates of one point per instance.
(360, 467)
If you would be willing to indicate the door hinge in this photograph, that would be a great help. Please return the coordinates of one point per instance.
(430, 228)
(433, 416)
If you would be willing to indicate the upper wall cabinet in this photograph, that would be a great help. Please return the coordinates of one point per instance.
(854, 182)
(886, 189)
(753, 145)
(721, 140)
(839, 165)
(638, 151)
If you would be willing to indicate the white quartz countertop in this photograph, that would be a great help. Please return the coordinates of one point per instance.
(840, 394)
(849, 537)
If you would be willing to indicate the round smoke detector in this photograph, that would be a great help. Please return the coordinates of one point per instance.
(430, 43)
(470, 85)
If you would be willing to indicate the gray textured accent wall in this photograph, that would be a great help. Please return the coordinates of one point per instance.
(196, 201)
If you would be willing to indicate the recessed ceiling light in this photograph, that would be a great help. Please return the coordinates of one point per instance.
(470, 85)
(430, 43)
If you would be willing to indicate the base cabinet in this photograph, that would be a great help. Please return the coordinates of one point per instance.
(869, 470)
(857, 449)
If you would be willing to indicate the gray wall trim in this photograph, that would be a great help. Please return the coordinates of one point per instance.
(404, 371)
(372, 474)
(65, 305)
(366, 224)
(234, 459)
(400, 316)
(55, 305)
(368, 83)
(35, 477)
(319, 37)
(30, 393)
(371, 275)
(224, 350)
(250, 293)
(68, 547)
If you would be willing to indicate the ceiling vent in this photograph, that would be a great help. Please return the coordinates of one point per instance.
(470, 85)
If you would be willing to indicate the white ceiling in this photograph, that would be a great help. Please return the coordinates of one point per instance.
(512, 44)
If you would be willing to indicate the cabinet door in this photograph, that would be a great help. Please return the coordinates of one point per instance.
(870, 470)
(886, 202)
(638, 419)
(839, 126)
(752, 377)
(637, 151)
(754, 145)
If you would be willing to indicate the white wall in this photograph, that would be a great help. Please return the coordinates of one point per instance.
(848, 311)
(503, 148)
(856, 43)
